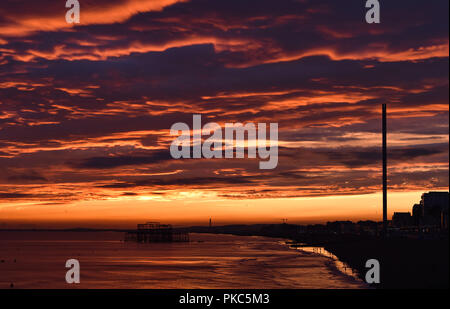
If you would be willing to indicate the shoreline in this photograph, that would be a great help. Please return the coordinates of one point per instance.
(404, 263)
(340, 266)
(210, 261)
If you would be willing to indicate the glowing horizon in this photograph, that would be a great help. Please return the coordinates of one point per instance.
(126, 212)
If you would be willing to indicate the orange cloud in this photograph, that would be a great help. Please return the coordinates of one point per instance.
(104, 13)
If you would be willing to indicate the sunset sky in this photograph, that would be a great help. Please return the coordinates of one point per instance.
(86, 109)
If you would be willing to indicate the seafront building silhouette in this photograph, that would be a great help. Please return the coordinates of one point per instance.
(428, 217)
(430, 212)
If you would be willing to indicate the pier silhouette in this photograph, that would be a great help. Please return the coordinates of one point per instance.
(156, 232)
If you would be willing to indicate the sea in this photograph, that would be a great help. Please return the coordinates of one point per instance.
(37, 260)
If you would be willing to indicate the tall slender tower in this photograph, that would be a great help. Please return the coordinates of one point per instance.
(384, 173)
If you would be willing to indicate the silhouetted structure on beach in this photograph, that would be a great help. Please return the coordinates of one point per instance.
(432, 211)
(429, 217)
(402, 219)
(367, 227)
(156, 232)
(342, 227)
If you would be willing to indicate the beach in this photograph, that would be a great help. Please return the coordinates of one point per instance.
(36, 260)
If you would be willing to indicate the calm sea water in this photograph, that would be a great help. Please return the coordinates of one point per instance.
(37, 260)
